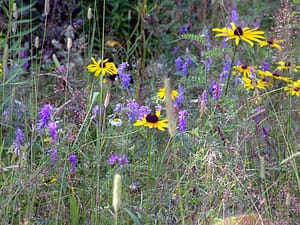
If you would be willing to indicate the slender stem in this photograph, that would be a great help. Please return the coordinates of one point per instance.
(229, 74)
(149, 146)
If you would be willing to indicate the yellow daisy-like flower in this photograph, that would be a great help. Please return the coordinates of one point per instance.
(152, 121)
(271, 43)
(162, 94)
(287, 66)
(275, 75)
(254, 83)
(238, 33)
(293, 88)
(96, 67)
(245, 70)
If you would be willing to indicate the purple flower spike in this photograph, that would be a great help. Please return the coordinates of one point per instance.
(178, 63)
(113, 159)
(53, 155)
(52, 131)
(123, 160)
(182, 121)
(44, 114)
(73, 161)
(19, 139)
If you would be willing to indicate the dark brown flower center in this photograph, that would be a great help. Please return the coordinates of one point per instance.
(152, 118)
(276, 74)
(238, 31)
(270, 41)
(296, 89)
(244, 67)
(287, 64)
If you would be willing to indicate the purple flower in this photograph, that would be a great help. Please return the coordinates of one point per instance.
(73, 161)
(125, 77)
(178, 63)
(182, 120)
(234, 16)
(179, 100)
(184, 29)
(143, 110)
(225, 72)
(19, 139)
(53, 153)
(215, 89)
(189, 61)
(175, 50)
(118, 108)
(122, 160)
(133, 106)
(184, 70)
(52, 131)
(44, 114)
(204, 97)
(265, 132)
(266, 66)
(113, 159)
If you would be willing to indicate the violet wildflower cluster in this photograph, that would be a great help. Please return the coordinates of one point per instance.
(215, 89)
(182, 66)
(182, 125)
(116, 158)
(73, 162)
(125, 77)
(19, 140)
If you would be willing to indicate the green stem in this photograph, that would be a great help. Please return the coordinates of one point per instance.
(149, 146)
(229, 74)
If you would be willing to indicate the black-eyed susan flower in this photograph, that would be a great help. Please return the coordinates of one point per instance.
(238, 33)
(108, 67)
(293, 88)
(287, 66)
(270, 42)
(252, 83)
(274, 75)
(152, 121)
(162, 94)
(244, 69)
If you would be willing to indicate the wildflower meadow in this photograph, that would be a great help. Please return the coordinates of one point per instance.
(150, 112)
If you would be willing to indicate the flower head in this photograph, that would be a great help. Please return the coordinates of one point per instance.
(180, 98)
(152, 121)
(178, 63)
(19, 139)
(244, 69)
(252, 83)
(116, 158)
(44, 114)
(73, 161)
(287, 66)
(52, 131)
(293, 88)
(116, 122)
(215, 89)
(133, 108)
(274, 75)
(113, 159)
(182, 121)
(162, 94)
(238, 33)
(99, 67)
(125, 77)
(271, 43)
(53, 153)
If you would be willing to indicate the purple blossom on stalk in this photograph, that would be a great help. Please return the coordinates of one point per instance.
(143, 110)
(52, 131)
(182, 121)
(179, 100)
(113, 159)
(189, 61)
(19, 139)
(225, 72)
(175, 50)
(266, 66)
(118, 108)
(53, 155)
(178, 63)
(45, 115)
(184, 29)
(265, 132)
(122, 160)
(125, 77)
(215, 89)
(133, 106)
(73, 161)
(184, 70)
(204, 97)
(234, 16)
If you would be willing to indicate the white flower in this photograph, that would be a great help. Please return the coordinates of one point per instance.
(116, 122)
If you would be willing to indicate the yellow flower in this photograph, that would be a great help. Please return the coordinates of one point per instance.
(246, 34)
(275, 75)
(254, 83)
(293, 88)
(286, 66)
(162, 94)
(271, 43)
(245, 70)
(96, 67)
(1, 68)
(152, 121)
